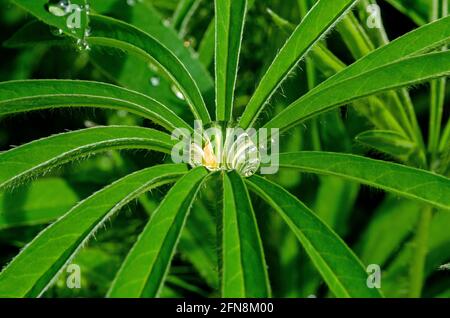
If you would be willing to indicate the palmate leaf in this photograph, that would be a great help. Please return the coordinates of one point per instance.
(404, 181)
(339, 267)
(146, 266)
(243, 269)
(58, 243)
(405, 72)
(114, 33)
(229, 26)
(38, 203)
(24, 96)
(40, 155)
(316, 24)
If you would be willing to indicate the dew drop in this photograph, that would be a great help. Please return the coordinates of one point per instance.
(58, 8)
(187, 43)
(87, 32)
(177, 92)
(153, 67)
(83, 45)
(155, 81)
(122, 113)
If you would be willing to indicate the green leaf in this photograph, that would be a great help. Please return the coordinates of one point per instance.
(393, 221)
(206, 47)
(145, 17)
(404, 181)
(389, 142)
(56, 150)
(334, 202)
(438, 92)
(183, 14)
(381, 113)
(146, 266)
(198, 242)
(405, 72)
(40, 202)
(338, 265)
(316, 24)
(415, 42)
(53, 248)
(39, 8)
(23, 96)
(419, 40)
(416, 10)
(114, 33)
(244, 272)
(229, 26)
(355, 37)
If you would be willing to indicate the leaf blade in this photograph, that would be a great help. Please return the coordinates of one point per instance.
(55, 150)
(58, 243)
(229, 27)
(244, 271)
(319, 20)
(405, 181)
(28, 95)
(338, 265)
(143, 271)
(405, 72)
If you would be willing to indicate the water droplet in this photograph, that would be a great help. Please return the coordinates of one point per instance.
(153, 67)
(166, 22)
(222, 147)
(56, 31)
(58, 8)
(87, 32)
(155, 81)
(177, 92)
(131, 2)
(122, 113)
(83, 45)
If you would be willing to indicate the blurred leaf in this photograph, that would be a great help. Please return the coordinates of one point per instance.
(41, 202)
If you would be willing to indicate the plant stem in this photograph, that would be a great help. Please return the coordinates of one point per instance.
(420, 250)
